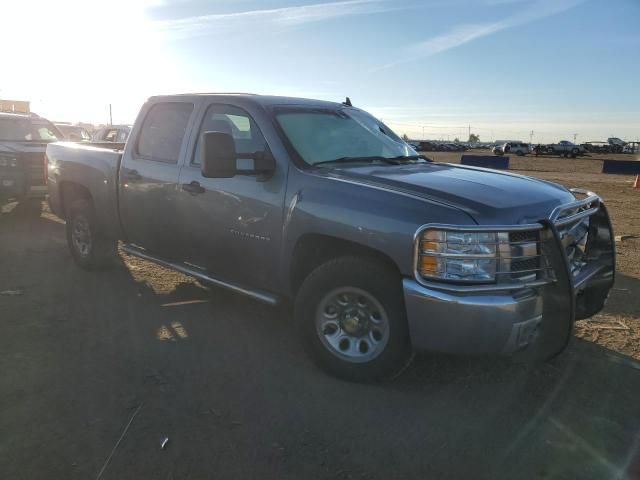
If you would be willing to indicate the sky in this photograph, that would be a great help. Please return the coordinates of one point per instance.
(540, 70)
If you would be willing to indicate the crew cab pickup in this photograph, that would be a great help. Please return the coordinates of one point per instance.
(380, 251)
(566, 148)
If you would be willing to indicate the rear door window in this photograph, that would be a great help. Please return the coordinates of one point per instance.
(163, 131)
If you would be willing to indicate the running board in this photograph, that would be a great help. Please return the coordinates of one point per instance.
(259, 295)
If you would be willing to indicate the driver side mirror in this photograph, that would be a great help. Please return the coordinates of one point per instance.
(219, 159)
(218, 155)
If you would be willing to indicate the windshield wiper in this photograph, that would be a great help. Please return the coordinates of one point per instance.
(370, 159)
(403, 158)
(399, 160)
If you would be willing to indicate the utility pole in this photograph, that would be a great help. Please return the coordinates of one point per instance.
(110, 116)
(423, 133)
(531, 137)
(469, 137)
(575, 135)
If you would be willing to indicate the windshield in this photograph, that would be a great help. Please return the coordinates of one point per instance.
(24, 129)
(322, 135)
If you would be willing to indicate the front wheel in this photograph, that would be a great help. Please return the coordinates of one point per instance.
(89, 250)
(351, 318)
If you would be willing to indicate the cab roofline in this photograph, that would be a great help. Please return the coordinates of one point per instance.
(264, 100)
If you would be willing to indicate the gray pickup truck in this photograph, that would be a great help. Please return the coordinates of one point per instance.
(565, 148)
(23, 140)
(380, 251)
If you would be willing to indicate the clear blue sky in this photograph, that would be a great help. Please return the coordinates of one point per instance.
(505, 67)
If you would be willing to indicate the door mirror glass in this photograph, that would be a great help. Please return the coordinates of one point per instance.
(219, 158)
(218, 155)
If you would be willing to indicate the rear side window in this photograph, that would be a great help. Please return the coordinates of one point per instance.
(163, 131)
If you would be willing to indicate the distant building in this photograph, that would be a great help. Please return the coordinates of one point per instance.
(14, 106)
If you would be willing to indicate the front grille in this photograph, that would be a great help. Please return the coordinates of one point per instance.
(33, 164)
(521, 260)
(526, 236)
(523, 267)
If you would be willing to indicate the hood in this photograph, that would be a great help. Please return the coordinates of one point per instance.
(489, 196)
(23, 147)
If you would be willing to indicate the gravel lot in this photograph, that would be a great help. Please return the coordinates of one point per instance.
(84, 355)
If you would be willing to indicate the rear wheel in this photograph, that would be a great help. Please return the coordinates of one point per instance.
(351, 318)
(89, 250)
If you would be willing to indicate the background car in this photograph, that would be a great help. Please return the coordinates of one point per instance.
(73, 133)
(566, 148)
(517, 148)
(112, 133)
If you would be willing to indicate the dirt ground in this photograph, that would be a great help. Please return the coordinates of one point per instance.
(99, 368)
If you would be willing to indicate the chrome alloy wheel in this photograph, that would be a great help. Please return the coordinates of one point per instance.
(352, 324)
(81, 235)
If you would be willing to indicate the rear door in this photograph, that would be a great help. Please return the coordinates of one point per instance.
(149, 176)
(233, 226)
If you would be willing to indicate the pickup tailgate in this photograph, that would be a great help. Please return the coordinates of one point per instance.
(90, 169)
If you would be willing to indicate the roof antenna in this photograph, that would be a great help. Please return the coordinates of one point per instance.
(347, 102)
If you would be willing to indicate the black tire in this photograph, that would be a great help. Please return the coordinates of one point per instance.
(90, 251)
(383, 285)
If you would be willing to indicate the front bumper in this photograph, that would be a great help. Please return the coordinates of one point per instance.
(471, 323)
(537, 316)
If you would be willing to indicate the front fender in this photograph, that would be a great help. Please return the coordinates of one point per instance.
(379, 219)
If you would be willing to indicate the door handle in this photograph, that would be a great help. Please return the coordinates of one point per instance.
(132, 176)
(193, 188)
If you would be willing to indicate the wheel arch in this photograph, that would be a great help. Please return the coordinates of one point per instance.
(313, 249)
(69, 191)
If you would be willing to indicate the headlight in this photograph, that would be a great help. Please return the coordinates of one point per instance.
(8, 161)
(457, 256)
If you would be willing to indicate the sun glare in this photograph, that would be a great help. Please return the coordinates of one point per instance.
(78, 56)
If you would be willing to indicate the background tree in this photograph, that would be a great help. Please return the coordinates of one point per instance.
(405, 137)
(456, 140)
(473, 138)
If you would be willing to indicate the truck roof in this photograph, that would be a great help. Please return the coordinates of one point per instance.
(264, 100)
(17, 115)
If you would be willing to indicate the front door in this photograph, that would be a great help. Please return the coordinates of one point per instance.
(233, 225)
(149, 178)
